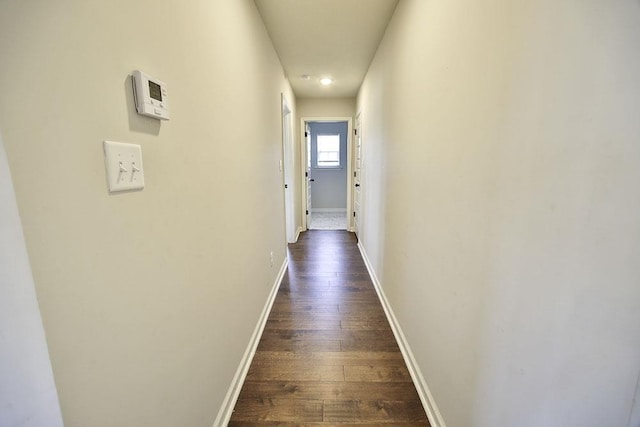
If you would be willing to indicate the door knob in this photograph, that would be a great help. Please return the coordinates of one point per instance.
(357, 185)
(312, 179)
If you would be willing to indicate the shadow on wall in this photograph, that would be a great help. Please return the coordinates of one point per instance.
(28, 395)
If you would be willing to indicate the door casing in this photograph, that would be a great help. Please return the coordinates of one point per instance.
(303, 165)
(357, 177)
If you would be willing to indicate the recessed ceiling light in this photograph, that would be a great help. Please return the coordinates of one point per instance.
(326, 81)
(305, 77)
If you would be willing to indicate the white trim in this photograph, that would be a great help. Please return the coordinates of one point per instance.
(303, 169)
(226, 410)
(340, 210)
(428, 402)
(300, 230)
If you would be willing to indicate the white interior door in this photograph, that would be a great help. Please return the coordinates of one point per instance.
(357, 180)
(309, 180)
(287, 148)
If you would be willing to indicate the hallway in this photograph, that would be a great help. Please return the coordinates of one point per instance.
(327, 354)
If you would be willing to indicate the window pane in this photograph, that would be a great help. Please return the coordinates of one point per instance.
(328, 151)
(328, 156)
(326, 144)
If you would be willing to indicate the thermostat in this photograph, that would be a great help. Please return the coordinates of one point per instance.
(150, 96)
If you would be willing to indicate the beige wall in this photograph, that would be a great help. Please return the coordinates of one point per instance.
(500, 205)
(326, 107)
(148, 298)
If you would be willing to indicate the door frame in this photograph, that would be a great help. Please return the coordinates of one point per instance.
(303, 165)
(288, 169)
(357, 131)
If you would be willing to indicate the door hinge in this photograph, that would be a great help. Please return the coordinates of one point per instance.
(354, 214)
(306, 134)
(355, 131)
(307, 213)
(306, 174)
(354, 174)
(286, 186)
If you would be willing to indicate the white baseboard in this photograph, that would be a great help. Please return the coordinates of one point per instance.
(298, 231)
(318, 210)
(430, 407)
(224, 415)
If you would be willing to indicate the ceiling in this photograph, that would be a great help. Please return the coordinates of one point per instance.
(326, 38)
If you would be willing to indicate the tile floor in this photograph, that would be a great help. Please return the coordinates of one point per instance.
(328, 220)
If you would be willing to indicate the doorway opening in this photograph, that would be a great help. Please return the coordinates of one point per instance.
(327, 161)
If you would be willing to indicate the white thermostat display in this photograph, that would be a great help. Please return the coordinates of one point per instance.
(150, 96)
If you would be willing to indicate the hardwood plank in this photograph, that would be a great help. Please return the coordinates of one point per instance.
(365, 324)
(313, 276)
(326, 390)
(310, 316)
(329, 370)
(295, 372)
(376, 338)
(299, 345)
(377, 410)
(358, 307)
(351, 277)
(278, 410)
(331, 293)
(300, 285)
(304, 306)
(331, 358)
(310, 324)
(373, 373)
(329, 301)
(352, 284)
(368, 345)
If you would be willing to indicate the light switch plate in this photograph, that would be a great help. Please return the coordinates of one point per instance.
(124, 166)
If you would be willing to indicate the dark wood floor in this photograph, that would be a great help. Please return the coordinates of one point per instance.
(327, 355)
